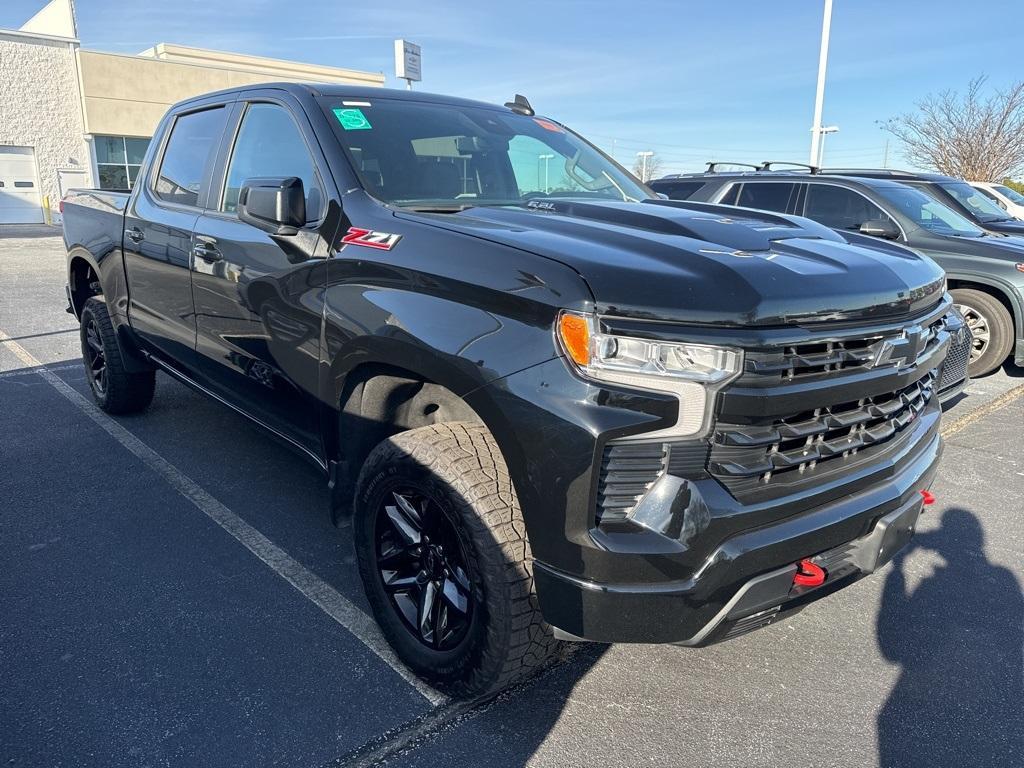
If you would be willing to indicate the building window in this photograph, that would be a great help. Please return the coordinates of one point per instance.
(118, 159)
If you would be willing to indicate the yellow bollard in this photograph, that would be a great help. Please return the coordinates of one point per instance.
(46, 210)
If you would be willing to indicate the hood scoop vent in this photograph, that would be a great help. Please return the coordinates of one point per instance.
(727, 228)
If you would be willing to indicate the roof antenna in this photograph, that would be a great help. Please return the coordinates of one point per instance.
(520, 106)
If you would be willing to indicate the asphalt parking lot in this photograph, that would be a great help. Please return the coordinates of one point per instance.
(173, 593)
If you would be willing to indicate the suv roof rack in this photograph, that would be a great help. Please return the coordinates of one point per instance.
(873, 171)
(713, 167)
(767, 166)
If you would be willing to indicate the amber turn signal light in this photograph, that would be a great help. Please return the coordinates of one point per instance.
(575, 334)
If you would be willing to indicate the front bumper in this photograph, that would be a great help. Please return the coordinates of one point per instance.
(767, 598)
(746, 582)
(639, 540)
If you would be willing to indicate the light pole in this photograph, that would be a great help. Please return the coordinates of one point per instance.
(545, 158)
(643, 164)
(825, 130)
(819, 96)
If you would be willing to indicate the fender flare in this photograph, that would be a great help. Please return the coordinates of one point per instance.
(459, 376)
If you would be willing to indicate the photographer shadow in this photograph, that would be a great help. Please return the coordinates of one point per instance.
(959, 639)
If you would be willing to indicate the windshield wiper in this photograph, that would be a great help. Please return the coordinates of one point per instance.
(453, 208)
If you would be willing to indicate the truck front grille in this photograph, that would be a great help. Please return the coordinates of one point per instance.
(821, 358)
(749, 459)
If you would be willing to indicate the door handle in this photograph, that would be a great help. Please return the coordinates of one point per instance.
(135, 234)
(206, 249)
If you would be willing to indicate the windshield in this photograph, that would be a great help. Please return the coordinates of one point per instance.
(974, 201)
(1010, 194)
(927, 213)
(450, 156)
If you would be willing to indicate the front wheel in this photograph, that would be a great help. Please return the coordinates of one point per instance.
(445, 561)
(991, 328)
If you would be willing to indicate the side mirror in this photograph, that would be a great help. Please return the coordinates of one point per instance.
(884, 228)
(275, 205)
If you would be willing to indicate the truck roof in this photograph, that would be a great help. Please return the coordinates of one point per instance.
(342, 90)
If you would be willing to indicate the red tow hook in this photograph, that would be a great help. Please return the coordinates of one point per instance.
(928, 498)
(808, 574)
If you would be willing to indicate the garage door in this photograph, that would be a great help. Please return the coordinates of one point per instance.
(19, 191)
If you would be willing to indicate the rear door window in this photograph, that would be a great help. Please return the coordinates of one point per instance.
(186, 161)
(840, 208)
(767, 195)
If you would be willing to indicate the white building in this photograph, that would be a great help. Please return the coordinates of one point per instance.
(78, 118)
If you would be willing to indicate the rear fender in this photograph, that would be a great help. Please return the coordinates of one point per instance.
(90, 276)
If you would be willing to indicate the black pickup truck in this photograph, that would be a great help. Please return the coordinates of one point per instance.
(555, 406)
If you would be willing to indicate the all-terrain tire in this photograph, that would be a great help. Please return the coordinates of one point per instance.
(460, 467)
(987, 314)
(115, 390)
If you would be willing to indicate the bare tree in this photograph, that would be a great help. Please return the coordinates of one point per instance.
(647, 168)
(973, 135)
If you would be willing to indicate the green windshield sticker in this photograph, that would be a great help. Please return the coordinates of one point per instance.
(352, 119)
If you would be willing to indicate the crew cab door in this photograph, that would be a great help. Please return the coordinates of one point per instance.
(158, 223)
(258, 295)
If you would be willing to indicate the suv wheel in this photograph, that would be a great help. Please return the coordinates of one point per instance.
(991, 326)
(114, 389)
(445, 562)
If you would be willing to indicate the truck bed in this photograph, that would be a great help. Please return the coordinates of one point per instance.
(94, 219)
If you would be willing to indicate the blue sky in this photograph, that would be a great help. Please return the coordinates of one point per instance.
(693, 80)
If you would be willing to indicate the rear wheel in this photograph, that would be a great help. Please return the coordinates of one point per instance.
(991, 328)
(445, 562)
(115, 390)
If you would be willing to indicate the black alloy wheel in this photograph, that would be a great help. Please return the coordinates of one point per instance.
(422, 566)
(95, 356)
(443, 555)
(114, 387)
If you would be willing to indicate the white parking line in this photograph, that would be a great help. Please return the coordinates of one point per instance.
(33, 372)
(315, 589)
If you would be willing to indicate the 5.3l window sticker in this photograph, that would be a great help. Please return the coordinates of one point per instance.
(384, 241)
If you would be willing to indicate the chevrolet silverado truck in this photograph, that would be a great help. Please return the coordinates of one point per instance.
(554, 406)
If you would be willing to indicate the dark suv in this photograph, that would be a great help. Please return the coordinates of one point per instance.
(985, 272)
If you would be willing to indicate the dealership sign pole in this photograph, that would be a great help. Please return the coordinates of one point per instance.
(408, 62)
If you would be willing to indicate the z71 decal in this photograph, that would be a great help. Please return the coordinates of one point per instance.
(366, 237)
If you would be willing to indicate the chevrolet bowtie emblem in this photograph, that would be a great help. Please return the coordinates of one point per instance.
(902, 351)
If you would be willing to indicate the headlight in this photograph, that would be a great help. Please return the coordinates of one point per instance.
(692, 372)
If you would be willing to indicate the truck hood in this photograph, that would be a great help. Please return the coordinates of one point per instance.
(706, 264)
